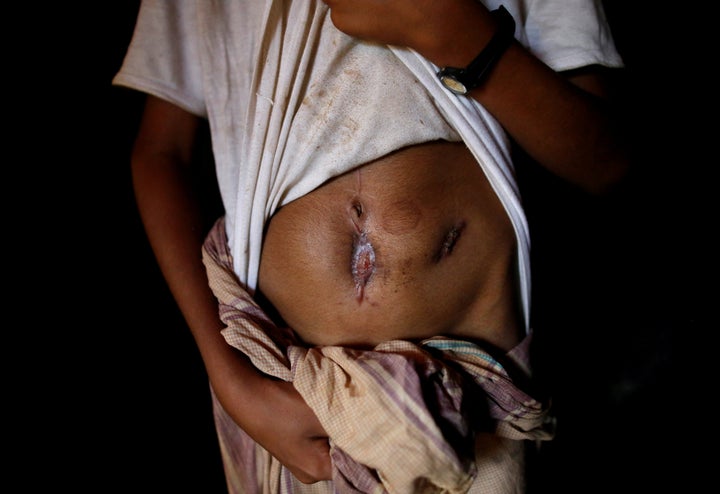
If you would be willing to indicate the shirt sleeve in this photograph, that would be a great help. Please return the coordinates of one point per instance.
(564, 34)
(163, 58)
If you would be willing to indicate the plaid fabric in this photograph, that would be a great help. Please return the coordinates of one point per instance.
(443, 415)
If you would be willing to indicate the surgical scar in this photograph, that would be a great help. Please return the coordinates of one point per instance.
(363, 262)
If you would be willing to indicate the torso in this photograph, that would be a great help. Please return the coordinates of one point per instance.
(413, 245)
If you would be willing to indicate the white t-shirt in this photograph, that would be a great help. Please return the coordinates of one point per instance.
(271, 75)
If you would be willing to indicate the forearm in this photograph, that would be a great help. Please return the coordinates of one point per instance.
(175, 229)
(272, 412)
(568, 129)
(571, 132)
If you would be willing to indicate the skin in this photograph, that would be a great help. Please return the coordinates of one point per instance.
(442, 254)
(564, 123)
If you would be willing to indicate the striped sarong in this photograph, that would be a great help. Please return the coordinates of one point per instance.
(442, 415)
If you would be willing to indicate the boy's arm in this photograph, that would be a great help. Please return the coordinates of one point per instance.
(161, 169)
(564, 123)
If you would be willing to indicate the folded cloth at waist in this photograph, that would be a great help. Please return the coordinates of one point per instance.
(402, 417)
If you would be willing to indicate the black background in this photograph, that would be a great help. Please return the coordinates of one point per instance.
(106, 389)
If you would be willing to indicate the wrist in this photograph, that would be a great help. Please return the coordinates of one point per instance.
(463, 79)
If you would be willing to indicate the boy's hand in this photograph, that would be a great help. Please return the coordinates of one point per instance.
(427, 26)
(288, 428)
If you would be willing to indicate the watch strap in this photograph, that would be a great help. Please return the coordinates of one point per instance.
(461, 81)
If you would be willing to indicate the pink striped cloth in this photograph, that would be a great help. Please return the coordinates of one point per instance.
(442, 415)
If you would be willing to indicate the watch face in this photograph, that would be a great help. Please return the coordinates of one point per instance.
(453, 84)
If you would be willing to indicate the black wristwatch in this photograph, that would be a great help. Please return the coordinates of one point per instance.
(461, 81)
